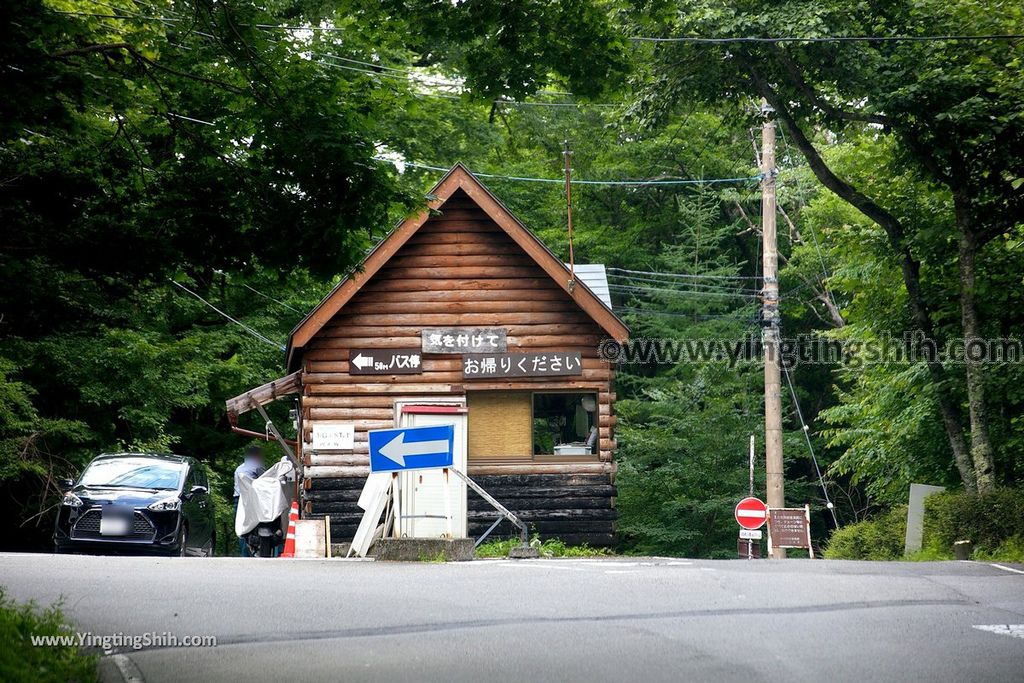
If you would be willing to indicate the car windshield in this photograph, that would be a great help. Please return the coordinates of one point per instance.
(135, 473)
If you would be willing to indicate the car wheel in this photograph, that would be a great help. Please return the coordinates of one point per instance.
(183, 542)
(213, 546)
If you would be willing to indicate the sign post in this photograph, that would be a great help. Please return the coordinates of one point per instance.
(789, 528)
(751, 514)
(411, 448)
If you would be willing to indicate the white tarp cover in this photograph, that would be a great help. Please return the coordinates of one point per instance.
(264, 499)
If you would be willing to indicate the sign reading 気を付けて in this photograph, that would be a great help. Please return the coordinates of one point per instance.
(522, 365)
(463, 340)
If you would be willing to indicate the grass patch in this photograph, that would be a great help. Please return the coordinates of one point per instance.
(21, 661)
(551, 547)
(1011, 550)
(439, 557)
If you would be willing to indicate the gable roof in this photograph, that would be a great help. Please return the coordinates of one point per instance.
(458, 178)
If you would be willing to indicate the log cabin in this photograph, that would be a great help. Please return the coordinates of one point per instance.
(460, 316)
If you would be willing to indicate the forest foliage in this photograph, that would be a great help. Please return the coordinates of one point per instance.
(157, 154)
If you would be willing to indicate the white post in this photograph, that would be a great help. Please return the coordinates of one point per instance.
(752, 463)
(396, 495)
(447, 505)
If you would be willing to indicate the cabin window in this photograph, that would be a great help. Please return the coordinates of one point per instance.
(518, 425)
(499, 425)
(565, 424)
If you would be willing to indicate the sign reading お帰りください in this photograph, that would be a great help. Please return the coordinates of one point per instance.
(522, 364)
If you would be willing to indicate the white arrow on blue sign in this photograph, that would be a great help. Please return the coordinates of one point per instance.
(413, 448)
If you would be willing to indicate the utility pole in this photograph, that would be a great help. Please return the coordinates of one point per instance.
(567, 155)
(770, 325)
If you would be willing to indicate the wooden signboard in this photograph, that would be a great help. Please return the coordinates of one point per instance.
(463, 340)
(522, 365)
(790, 528)
(385, 362)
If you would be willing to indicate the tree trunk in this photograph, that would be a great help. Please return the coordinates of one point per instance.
(981, 444)
(909, 267)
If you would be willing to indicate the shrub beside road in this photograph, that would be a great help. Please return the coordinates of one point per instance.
(991, 521)
(22, 661)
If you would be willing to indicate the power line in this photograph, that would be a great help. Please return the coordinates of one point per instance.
(699, 286)
(189, 118)
(237, 322)
(810, 447)
(683, 292)
(617, 183)
(692, 276)
(276, 301)
(439, 82)
(690, 316)
(827, 39)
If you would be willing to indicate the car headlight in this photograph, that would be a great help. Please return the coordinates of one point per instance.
(166, 505)
(71, 500)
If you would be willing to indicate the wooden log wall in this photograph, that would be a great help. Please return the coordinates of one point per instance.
(576, 508)
(459, 269)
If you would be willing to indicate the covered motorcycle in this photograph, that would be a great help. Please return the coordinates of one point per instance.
(263, 504)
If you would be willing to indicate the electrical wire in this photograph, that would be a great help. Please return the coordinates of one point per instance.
(616, 183)
(248, 329)
(810, 447)
(689, 316)
(276, 301)
(827, 39)
(378, 69)
(690, 276)
(698, 293)
(697, 286)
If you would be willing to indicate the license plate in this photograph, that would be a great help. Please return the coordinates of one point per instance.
(115, 522)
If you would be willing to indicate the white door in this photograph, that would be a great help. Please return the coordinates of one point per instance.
(424, 508)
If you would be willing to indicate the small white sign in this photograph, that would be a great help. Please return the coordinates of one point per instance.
(329, 436)
(751, 534)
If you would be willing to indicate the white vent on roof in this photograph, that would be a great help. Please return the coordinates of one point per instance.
(593, 275)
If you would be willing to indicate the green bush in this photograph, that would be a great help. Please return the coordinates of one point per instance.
(1012, 550)
(879, 538)
(987, 519)
(21, 660)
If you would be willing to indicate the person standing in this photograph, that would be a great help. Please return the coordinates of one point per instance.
(252, 467)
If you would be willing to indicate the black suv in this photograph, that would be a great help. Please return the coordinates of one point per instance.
(138, 503)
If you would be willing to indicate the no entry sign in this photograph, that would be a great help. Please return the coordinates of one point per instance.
(751, 513)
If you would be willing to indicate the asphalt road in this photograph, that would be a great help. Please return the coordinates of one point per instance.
(537, 620)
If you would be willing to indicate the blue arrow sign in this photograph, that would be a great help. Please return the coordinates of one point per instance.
(412, 448)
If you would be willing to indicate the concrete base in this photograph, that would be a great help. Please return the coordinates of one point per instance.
(423, 550)
(523, 552)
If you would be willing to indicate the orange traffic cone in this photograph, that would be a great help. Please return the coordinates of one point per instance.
(289, 539)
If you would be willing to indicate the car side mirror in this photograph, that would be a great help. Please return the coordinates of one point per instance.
(67, 483)
(196, 490)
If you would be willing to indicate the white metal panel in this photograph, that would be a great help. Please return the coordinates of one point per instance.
(594, 276)
(373, 499)
(423, 491)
